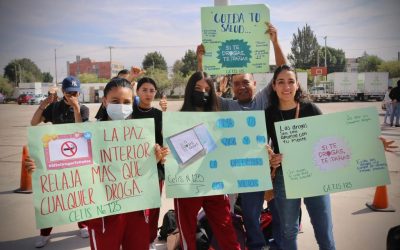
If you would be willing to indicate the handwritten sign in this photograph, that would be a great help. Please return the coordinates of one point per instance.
(332, 153)
(227, 153)
(91, 170)
(234, 39)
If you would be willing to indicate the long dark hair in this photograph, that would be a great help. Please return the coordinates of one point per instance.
(212, 104)
(146, 80)
(273, 99)
(113, 83)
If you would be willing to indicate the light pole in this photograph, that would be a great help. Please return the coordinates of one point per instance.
(326, 77)
(55, 65)
(221, 2)
(325, 50)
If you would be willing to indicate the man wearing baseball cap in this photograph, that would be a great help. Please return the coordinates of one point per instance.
(67, 110)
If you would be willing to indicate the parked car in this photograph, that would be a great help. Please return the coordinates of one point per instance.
(37, 99)
(24, 98)
(2, 98)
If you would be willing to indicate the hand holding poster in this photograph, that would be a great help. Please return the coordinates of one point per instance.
(338, 152)
(235, 39)
(86, 171)
(215, 153)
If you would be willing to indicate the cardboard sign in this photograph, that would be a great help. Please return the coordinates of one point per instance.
(215, 153)
(235, 39)
(332, 153)
(90, 170)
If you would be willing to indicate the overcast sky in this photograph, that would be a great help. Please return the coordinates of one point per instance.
(34, 28)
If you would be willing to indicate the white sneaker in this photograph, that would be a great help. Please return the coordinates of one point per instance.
(84, 232)
(152, 246)
(42, 241)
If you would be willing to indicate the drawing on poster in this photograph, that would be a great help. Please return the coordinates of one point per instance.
(190, 145)
(70, 150)
(331, 153)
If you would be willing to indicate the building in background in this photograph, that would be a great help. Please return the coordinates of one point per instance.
(101, 69)
(352, 65)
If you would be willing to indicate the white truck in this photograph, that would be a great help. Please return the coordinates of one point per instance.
(372, 85)
(344, 85)
(339, 86)
(322, 92)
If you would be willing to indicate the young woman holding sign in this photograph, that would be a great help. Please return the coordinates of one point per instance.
(286, 103)
(129, 230)
(216, 207)
(146, 91)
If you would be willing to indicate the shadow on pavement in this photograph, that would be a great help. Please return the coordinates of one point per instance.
(363, 211)
(62, 240)
(7, 192)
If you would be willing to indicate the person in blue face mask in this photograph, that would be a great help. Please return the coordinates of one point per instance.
(129, 230)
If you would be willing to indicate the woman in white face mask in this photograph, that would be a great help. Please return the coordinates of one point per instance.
(129, 230)
(117, 100)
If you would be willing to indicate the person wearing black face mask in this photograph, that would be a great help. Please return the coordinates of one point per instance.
(204, 100)
(200, 99)
(216, 206)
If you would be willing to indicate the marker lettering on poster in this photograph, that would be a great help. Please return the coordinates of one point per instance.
(293, 134)
(335, 187)
(64, 202)
(196, 180)
(299, 174)
(331, 153)
(109, 208)
(370, 165)
(89, 169)
(80, 214)
(354, 119)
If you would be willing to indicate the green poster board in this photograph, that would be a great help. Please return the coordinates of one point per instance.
(332, 153)
(93, 169)
(215, 153)
(234, 39)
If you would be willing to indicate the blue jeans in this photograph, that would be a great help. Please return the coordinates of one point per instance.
(252, 205)
(276, 228)
(319, 210)
(395, 112)
(388, 112)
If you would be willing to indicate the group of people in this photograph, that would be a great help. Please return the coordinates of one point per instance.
(281, 100)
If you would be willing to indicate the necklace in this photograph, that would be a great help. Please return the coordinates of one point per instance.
(144, 110)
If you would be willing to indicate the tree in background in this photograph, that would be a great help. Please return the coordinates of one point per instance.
(5, 87)
(369, 63)
(154, 60)
(189, 61)
(393, 67)
(47, 77)
(178, 64)
(335, 59)
(304, 49)
(178, 79)
(22, 70)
